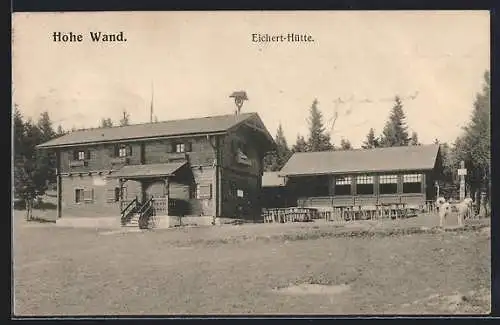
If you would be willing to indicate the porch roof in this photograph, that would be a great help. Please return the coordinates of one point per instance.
(151, 170)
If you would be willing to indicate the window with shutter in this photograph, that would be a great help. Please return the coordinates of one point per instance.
(204, 191)
(88, 195)
(78, 195)
(110, 195)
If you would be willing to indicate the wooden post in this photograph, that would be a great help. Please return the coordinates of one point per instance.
(59, 198)
(462, 172)
(58, 184)
(167, 193)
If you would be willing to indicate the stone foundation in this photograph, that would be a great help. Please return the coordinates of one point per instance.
(82, 222)
(162, 222)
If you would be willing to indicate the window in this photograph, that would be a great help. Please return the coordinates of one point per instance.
(123, 151)
(412, 178)
(388, 184)
(179, 147)
(240, 193)
(88, 195)
(364, 184)
(78, 195)
(412, 183)
(115, 194)
(81, 155)
(84, 195)
(204, 191)
(343, 185)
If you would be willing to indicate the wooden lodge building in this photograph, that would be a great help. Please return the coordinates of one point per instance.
(199, 167)
(395, 175)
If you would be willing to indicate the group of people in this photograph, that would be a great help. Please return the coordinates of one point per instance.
(445, 209)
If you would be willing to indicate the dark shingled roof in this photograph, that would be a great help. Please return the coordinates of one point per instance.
(362, 160)
(272, 179)
(151, 170)
(203, 125)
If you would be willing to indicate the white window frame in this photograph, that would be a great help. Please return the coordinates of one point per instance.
(122, 152)
(344, 180)
(388, 179)
(412, 178)
(81, 155)
(364, 179)
(180, 148)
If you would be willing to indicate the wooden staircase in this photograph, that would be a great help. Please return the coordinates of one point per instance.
(133, 221)
(136, 215)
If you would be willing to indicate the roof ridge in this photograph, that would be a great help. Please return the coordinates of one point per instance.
(161, 122)
(363, 149)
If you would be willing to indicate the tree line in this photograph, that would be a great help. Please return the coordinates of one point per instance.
(395, 133)
(34, 171)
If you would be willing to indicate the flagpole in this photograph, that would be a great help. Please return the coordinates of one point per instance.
(151, 108)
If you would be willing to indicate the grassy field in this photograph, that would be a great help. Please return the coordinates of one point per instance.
(382, 268)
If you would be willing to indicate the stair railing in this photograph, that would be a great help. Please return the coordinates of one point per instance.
(129, 210)
(145, 212)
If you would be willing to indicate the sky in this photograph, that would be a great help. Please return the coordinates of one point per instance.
(189, 63)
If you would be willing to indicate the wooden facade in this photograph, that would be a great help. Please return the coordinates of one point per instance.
(412, 188)
(207, 174)
(338, 187)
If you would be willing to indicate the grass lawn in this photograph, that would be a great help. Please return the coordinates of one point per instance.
(239, 269)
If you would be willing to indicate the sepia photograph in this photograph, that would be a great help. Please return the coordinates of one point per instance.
(251, 163)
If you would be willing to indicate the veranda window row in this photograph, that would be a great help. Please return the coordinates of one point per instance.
(388, 184)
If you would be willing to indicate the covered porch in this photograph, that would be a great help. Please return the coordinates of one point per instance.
(152, 190)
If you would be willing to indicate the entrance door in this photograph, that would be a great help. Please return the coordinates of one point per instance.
(153, 188)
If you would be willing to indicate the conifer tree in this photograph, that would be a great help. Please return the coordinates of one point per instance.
(395, 132)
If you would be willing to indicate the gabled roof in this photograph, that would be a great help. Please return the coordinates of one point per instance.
(151, 170)
(272, 179)
(392, 159)
(192, 126)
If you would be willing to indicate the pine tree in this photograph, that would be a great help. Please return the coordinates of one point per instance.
(44, 124)
(345, 144)
(18, 132)
(395, 132)
(371, 140)
(474, 145)
(300, 145)
(414, 139)
(318, 139)
(60, 131)
(276, 159)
